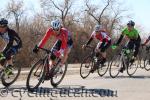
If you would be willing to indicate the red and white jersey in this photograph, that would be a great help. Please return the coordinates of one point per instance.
(63, 36)
(101, 35)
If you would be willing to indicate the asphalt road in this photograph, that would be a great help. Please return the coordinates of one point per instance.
(73, 87)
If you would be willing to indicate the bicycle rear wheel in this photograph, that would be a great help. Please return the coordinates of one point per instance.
(147, 63)
(115, 66)
(132, 67)
(7, 79)
(36, 75)
(58, 73)
(86, 66)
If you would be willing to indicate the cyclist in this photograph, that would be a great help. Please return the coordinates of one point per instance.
(13, 44)
(63, 44)
(103, 44)
(134, 40)
(146, 41)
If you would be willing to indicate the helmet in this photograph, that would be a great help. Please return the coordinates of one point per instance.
(97, 28)
(56, 24)
(131, 23)
(3, 22)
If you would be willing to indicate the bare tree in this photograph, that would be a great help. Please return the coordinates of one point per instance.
(109, 16)
(15, 9)
(92, 10)
(62, 8)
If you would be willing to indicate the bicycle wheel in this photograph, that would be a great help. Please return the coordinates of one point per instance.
(131, 68)
(141, 54)
(115, 66)
(147, 63)
(7, 80)
(86, 66)
(103, 69)
(36, 75)
(58, 73)
(142, 63)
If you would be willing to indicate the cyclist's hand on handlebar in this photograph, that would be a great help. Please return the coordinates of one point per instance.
(114, 46)
(35, 50)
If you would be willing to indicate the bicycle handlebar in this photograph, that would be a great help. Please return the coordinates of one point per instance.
(88, 46)
(46, 50)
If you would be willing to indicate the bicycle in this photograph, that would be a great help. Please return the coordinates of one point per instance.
(122, 60)
(42, 68)
(8, 79)
(146, 59)
(89, 62)
(142, 56)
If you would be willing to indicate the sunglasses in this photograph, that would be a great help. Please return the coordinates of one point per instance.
(2, 26)
(56, 29)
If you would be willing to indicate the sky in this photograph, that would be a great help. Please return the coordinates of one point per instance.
(138, 8)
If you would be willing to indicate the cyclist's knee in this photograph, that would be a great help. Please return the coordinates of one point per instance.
(2, 61)
(103, 50)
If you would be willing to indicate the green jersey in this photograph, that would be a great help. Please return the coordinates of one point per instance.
(131, 34)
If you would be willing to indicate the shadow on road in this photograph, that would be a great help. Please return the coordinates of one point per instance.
(136, 77)
(62, 91)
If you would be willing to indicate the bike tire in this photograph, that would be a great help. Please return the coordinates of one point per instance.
(114, 60)
(53, 83)
(89, 60)
(29, 87)
(103, 69)
(136, 63)
(147, 63)
(7, 84)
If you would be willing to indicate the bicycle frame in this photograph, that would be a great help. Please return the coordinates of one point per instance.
(148, 49)
(123, 59)
(46, 61)
(93, 51)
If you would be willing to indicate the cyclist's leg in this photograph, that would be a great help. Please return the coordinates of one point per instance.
(130, 45)
(8, 57)
(67, 51)
(1, 65)
(137, 46)
(2, 61)
(103, 51)
(97, 50)
(56, 47)
(9, 53)
(96, 57)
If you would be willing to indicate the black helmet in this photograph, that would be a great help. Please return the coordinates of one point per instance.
(131, 23)
(3, 22)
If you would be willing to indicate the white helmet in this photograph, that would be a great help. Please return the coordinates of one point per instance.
(55, 24)
(97, 28)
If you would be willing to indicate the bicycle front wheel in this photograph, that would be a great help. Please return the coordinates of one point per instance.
(58, 73)
(147, 63)
(36, 75)
(103, 69)
(8, 79)
(86, 66)
(132, 67)
(115, 65)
